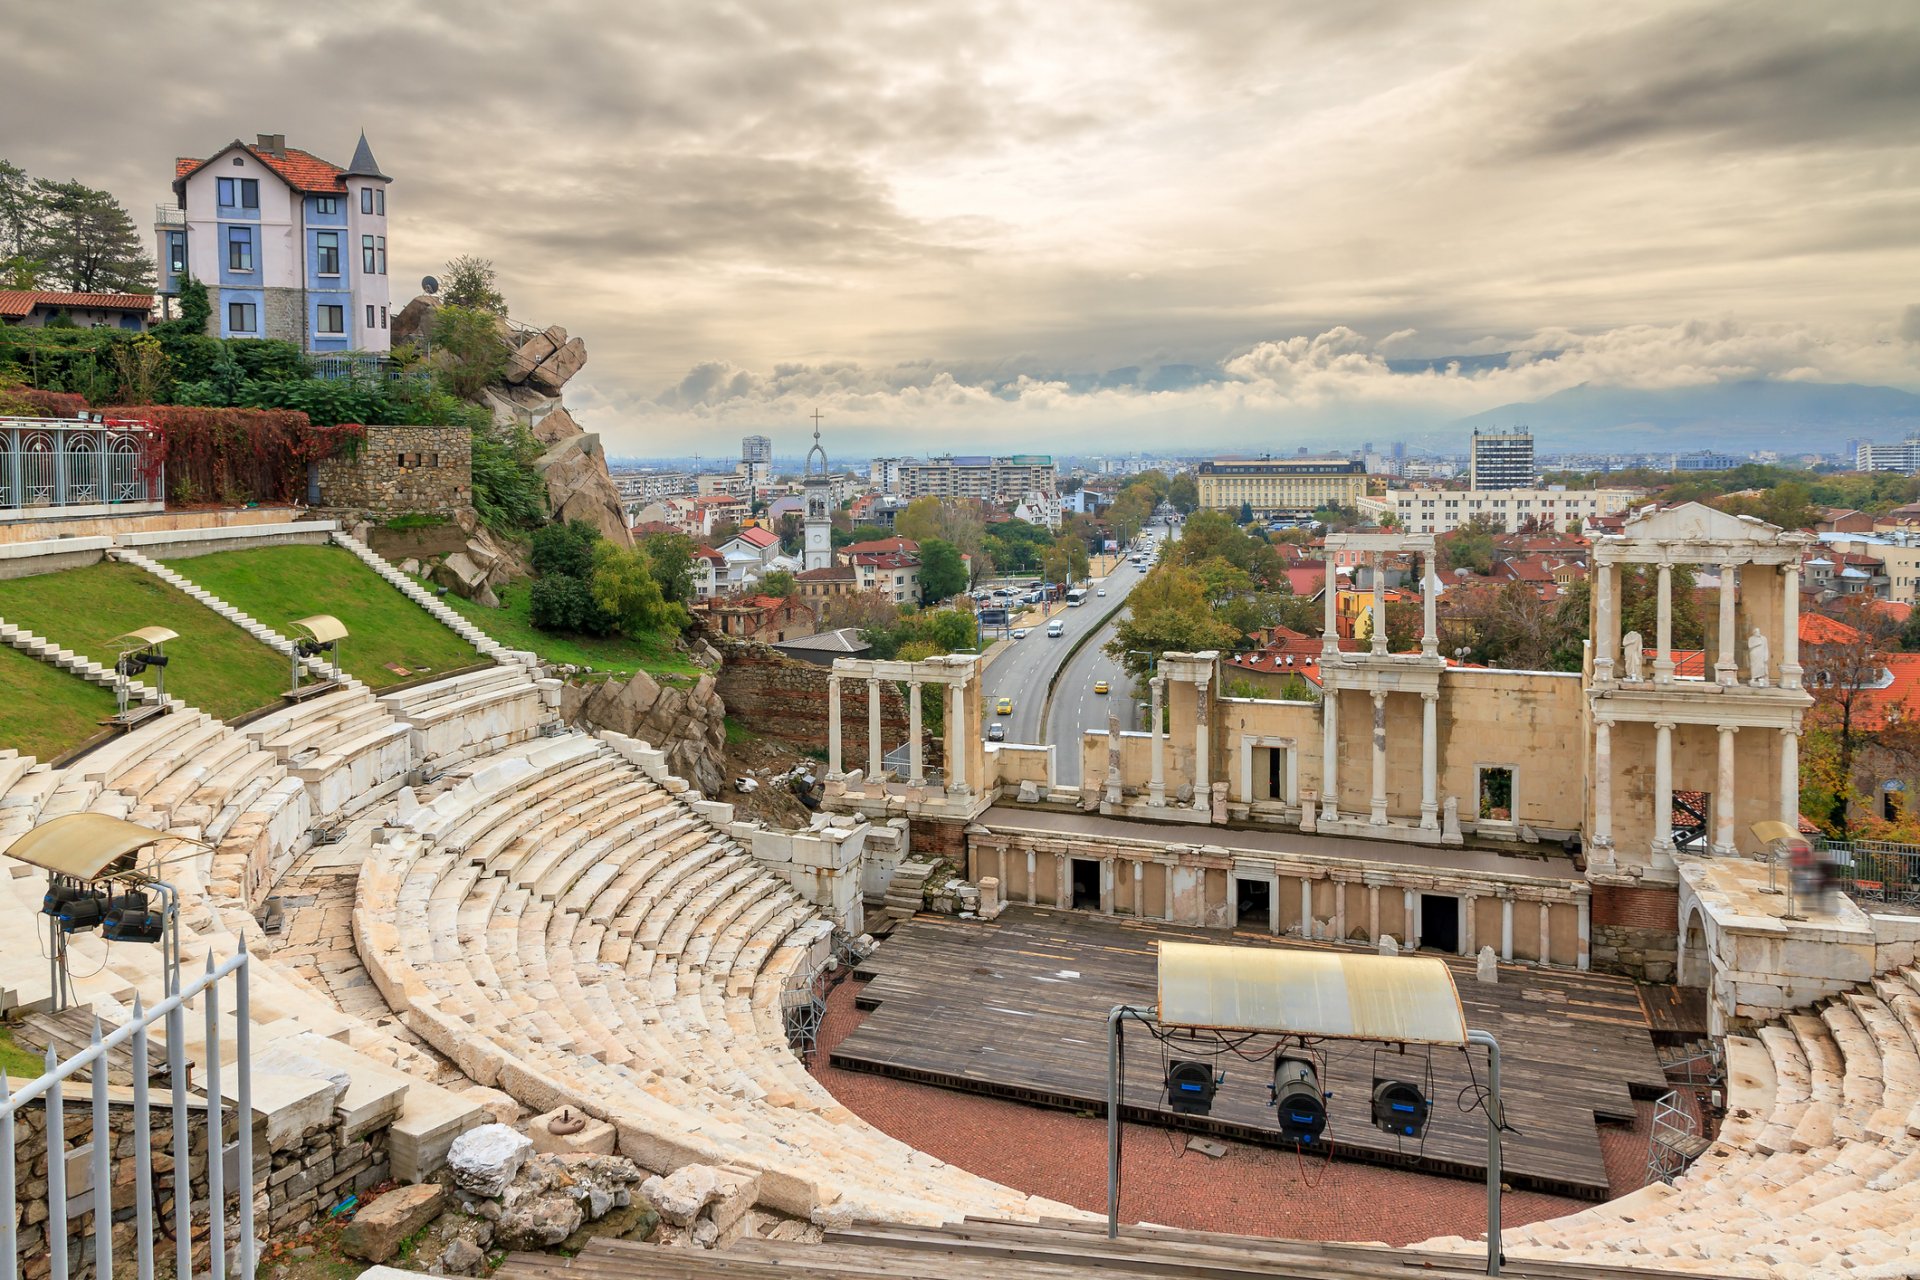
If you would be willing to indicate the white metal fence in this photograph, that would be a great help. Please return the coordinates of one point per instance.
(48, 1091)
(57, 463)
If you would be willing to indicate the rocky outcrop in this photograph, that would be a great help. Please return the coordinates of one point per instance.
(463, 556)
(579, 488)
(690, 725)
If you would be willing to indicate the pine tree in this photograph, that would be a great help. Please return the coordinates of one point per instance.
(88, 242)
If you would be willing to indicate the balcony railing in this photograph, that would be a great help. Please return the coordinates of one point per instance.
(53, 463)
(1875, 870)
(169, 215)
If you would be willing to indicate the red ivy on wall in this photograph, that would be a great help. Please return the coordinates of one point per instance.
(238, 455)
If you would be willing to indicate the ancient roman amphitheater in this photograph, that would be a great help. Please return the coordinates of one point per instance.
(548, 915)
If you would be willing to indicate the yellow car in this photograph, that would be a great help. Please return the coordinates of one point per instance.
(1004, 707)
(1099, 686)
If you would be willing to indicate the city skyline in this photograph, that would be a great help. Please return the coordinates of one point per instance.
(1079, 226)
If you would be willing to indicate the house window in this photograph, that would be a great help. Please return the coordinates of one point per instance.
(241, 317)
(380, 203)
(241, 193)
(383, 317)
(366, 255)
(366, 199)
(176, 252)
(239, 248)
(369, 315)
(382, 242)
(326, 252)
(326, 204)
(333, 319)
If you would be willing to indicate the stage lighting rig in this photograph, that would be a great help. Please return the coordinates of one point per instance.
(1400, 1108)
(140, 651)
(1191, 1086)
(322, 633)
(1298, 1099)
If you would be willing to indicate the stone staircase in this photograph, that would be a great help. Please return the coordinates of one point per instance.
(246, 622)
(473, 635)
(77, 664)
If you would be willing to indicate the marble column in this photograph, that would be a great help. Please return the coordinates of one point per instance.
(1583, 955)
(1727, 669)
(1373, 913)
(1410, 920)
(1606, 634)
(1663, 629)
(1430, 761)
(961, 741)
(875, 764)
(1379, 815)
(1506, 929)
(1329, 752)
(1202, 747)
(834, 769)
(1663, 786)
(1139, 889)
(1546, 932)
(1379, 602)
(1306, 908)
(1033, 871)
(1429, 608)
(1790, 777)
(1339, 909)
(1790, 624)
(1157, 784)
(1330, 605)
(1602, 854)
(1723, 794)
(916, 771)
(1469, 924)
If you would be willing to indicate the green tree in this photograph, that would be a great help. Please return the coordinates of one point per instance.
(942, 573)
(471, 282)
(1246, 513)
(671, 556)
(624, 589)
(565, 550)
(1468, 547)
(20, 210)
(472, 350)
(88, 242)
(1167, 612)
(778, 582)
(565, 604)
(1183, 492)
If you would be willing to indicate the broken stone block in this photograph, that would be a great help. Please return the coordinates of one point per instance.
(379, 1228)
(1487, 966)
(485, 1159)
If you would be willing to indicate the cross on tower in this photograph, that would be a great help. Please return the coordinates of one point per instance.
(816, 426)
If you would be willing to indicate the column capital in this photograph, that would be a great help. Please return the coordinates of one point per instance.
(1668, 725)
(1430, 695)
(873, 682)
(1728, 728)
(1379, 697)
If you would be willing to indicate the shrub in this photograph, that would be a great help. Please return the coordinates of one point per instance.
(565, 550)
(566, 604)
(507, 492)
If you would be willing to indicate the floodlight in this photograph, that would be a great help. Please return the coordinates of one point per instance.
(1190, 1087)
(83, 911)
(1298, 1100)
(1399, 1108)
(314, 636)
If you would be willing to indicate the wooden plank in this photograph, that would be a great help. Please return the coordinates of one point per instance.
(1031, 1026)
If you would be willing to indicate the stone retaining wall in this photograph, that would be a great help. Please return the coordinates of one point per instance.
(781, 697)
(402, 470)
(1636, 931)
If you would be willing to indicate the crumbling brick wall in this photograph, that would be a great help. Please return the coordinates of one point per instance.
(1636, 930)
(780, 697)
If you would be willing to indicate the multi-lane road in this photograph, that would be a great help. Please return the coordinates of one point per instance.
(1022, 670)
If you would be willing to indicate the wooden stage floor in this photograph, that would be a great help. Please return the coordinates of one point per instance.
(1017, 1008)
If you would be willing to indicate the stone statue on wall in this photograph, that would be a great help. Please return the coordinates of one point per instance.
(1630, 649)
(1758, 653)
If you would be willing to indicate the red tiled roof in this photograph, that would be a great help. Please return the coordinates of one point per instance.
(1899, 698)
(832, 573)
(21, 302)
(301, 170)
(880, 544)
(758, 537)
(1893, 609)
(1306, 582)
(1817, 628)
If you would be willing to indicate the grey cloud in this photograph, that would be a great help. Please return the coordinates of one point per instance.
(1748, 76)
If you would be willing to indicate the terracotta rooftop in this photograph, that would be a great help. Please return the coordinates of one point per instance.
(21, 302)
(301, 170)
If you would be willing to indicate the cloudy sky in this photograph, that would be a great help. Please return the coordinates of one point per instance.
(1171, 224)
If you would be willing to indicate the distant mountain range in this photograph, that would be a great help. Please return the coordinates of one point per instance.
(1793, 417)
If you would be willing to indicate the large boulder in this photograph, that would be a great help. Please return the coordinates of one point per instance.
(579, 488)
(689, 725)
(527, 357)
(552, 373)
(459, 574)
(413, 323)
(484, 1160)
(556, 426)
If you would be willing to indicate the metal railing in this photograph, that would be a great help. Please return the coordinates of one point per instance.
(169, 215)
(48, 1090)
(1674, 1142)
(65, 463)
(1874, 870)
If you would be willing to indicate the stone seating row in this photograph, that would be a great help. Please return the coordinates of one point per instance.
(1815, 1172)
(592, 940)
(472, 715)
(190, 774)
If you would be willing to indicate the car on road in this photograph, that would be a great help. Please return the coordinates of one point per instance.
(1099, 686)
(996, 732)
(1019, 633)
(1056, 629)
(1004, 707)
(1101, 592)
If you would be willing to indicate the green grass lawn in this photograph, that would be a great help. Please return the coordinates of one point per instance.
(46, 712)
(215, 666)
(512, 625)
(279, 584)
(15, 1060)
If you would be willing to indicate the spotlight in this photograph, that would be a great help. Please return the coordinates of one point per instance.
(1399, 1108)
(59, 894)
(83, 911)
(1190, 1087)
(153, 659)
(1298, 1100)
(307, 648)
(134, 924)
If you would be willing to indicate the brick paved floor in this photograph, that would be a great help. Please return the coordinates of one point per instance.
(1252, 1190)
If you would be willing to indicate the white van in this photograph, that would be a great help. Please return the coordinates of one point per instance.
(1056, 629)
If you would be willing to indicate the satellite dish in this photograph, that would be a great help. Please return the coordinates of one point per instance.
(429, 284)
